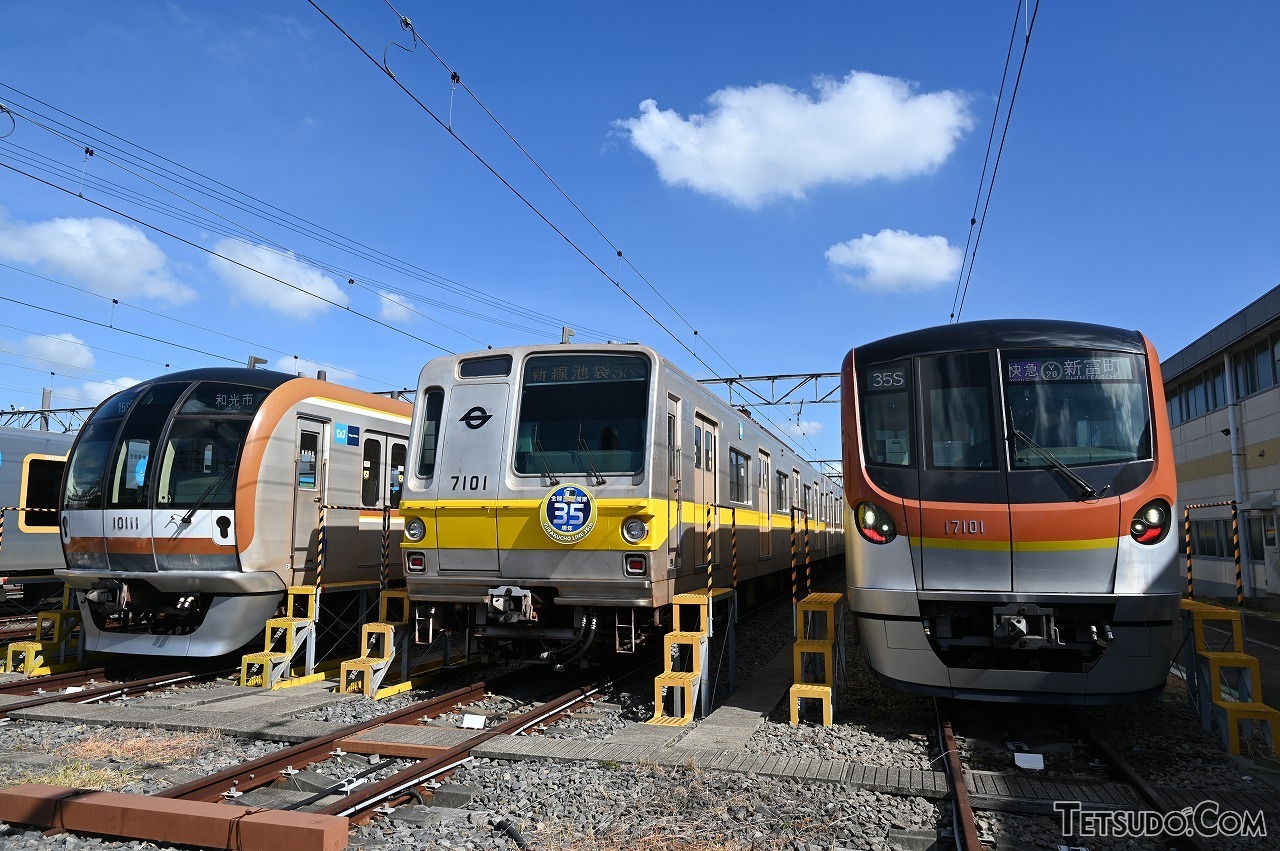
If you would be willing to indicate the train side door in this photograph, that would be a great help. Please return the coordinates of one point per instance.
(964, 517)
(704, 490)
(308, 493)
(469, 467)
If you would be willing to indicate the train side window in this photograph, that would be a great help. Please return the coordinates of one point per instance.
(780, 495)
(885, 390)
(697, 447)
(395, 480)
(432, 406)
(40, 482)
(958, 411)
(738, 477)
(371, 482)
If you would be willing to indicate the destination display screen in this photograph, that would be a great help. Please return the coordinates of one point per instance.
(213, 397)
(1099, 367)
(584, 368)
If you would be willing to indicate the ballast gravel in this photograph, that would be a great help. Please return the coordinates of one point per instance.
(581, 806)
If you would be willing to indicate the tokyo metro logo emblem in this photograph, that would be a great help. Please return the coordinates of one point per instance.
(568, 514)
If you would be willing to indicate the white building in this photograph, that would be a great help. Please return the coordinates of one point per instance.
(1223, 393)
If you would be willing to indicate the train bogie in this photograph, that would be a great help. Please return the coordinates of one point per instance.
(193, 501)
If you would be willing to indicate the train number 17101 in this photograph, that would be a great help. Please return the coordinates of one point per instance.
(965, 527)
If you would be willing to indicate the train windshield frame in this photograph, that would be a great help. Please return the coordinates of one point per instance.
(582, 414)
(1083, 407)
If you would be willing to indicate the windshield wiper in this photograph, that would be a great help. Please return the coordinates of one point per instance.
(208, 492)
(540, 455)
(591, 460)
(1087, 491)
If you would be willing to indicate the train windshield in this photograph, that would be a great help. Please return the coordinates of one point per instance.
(1080, 406)
(582, 413)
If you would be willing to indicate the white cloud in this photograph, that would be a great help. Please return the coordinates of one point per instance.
(107, 256)
(310, 368)
(395, 308)
(299, 303)
(771, 141)
(93, 392)
(804, 428)
(896, 261)
(64, 349)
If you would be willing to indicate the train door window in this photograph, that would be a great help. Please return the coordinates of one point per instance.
(808, 493)
(395, 479)
(885, 391)
(41, 478)
(795, 488)
(958, 411)
(738, 477)
(308, 446)
(780, 495)
(432, 407)
(671, 445)
(371, 474)
(697, 447)
(709, 439)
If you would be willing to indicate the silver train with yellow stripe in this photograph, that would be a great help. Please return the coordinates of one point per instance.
(192, 502)
(558, 497)
(31, 464)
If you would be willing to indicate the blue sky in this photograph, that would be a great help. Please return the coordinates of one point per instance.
(790, 180)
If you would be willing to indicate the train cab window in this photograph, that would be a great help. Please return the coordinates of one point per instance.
(780, 494)
(1079, 406)
(371, 473)
(885, 390)
(958, 411)
(198, 463)
(395, 481)
(432, 407)
(738, 477)
(583, 413)
(131, 467)
(41, 478)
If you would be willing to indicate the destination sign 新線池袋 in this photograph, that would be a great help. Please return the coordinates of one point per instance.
(576, 369)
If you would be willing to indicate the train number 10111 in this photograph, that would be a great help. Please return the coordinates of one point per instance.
(965, 527)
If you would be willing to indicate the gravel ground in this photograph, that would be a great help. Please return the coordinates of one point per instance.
(602, 806)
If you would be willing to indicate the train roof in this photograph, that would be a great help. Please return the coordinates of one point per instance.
(267, 378)
(1000, 334)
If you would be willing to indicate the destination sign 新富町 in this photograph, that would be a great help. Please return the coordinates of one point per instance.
(1070, 369)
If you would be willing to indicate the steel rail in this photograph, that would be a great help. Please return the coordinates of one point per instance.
(266, 769)
(966, 825)
(1131, 776)
(104, 692)
(370, 795)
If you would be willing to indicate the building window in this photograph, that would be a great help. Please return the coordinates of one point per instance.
(738, 477)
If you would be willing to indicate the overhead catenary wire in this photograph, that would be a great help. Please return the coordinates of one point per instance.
(193, 180)
(966, 271)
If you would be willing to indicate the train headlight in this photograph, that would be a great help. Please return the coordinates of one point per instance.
(415, 530)
(634, 530)
(874, 523)
(1151, 523)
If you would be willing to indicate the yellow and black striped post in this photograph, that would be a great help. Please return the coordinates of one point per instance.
(733, 545)
(710, 539)
(795, 589)
(1186, 541)
(320, 550)
(807, 579)
(1235, 543)
(2, 511)
(386, 548)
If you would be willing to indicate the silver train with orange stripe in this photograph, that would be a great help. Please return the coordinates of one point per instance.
(558, 497)
(192, 502)
(1012, 487)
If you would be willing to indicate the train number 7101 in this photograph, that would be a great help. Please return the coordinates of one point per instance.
(965, 527)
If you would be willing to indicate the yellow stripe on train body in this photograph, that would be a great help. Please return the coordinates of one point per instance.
(1017, 546)
(470, 525)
